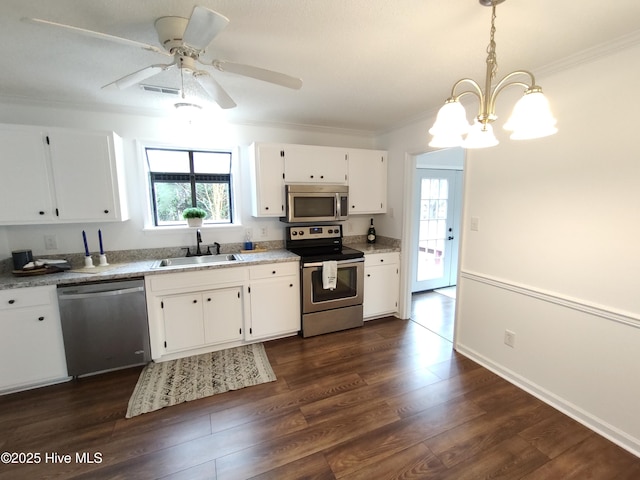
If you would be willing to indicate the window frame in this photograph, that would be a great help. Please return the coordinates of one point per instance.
(150, 214)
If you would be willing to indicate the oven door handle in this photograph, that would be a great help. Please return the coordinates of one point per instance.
(339, 262)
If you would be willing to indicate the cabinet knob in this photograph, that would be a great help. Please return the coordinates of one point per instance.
(273, 272)
(208, 299)
(12, 301)
(41, 212)
(195, 301)
(290, 285)
(40, 319)
(106, 211)
(368, 274)
(321, 176)
(381, 260)
(266, 208)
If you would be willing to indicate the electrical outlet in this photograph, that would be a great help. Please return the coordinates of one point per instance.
(50, 242)
(509, 338)
(475, 224)
(264, 232)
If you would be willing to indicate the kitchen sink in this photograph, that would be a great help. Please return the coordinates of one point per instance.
(195, 261)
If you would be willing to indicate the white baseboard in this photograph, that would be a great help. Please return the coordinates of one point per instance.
(590, 421)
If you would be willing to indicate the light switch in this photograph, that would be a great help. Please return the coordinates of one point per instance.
(475, 224)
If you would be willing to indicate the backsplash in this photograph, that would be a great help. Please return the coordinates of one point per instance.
(123, 256)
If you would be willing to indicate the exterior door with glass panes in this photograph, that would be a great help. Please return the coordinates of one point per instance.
(439, 197)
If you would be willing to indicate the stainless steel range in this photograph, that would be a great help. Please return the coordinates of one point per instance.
(332, 279)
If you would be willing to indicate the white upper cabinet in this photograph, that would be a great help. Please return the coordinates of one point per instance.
(25, 183)
(275, 165)
(267, 179)
(57, 175)
(85, 176)
(312, 164)
(367, 181)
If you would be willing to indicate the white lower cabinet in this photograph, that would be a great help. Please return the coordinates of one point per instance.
(381, 284)
(206, 310)
(195, 320)
(274, 294)
(31, 346)
(223, 317)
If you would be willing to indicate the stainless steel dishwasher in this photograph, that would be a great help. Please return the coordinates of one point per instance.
(104, 326)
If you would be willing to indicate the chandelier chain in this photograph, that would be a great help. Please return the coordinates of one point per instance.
(492, 58)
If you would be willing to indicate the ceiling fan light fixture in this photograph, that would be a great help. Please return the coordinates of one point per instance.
(531, 117)
(187, 106)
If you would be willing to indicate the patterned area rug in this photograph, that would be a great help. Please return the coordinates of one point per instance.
(170, 383)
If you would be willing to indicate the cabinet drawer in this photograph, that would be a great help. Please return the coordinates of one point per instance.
(197, 279)
(25, 297)
(381, 258)
(274, 270)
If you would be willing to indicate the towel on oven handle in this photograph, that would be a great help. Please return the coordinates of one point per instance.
(329, 274)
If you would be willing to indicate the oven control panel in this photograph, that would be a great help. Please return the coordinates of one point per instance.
(314, 232)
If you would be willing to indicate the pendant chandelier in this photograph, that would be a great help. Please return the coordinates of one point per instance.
(531, 116)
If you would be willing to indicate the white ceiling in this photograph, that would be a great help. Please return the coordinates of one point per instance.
(367, 65)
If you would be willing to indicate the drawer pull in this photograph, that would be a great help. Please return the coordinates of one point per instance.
(40, 319)
(12, 301)
(273, 273)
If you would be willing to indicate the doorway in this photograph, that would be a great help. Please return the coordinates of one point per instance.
(437, 211)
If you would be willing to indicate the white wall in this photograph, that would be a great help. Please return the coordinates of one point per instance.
(137, 128)
(555, 259)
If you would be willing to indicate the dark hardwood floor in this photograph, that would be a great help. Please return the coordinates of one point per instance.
(387, 401)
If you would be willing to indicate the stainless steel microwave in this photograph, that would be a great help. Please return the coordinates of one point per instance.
(316, 203)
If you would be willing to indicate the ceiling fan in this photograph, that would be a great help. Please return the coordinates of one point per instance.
(185, 40)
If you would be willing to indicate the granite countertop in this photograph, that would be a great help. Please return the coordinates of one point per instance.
(374, 247)
(135, 269)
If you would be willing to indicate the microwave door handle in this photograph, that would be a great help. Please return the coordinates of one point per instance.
(338, 206)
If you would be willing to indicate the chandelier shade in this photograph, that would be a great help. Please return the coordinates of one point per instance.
(480, 136)
(531, 116)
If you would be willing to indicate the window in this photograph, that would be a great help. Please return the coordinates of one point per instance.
(189, 178)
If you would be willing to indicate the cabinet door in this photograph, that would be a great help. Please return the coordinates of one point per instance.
(183, 327)
(312, 164)
(381, 284)
(267, 177)
(275, 307)
(31, 347)
(222, 315)
(367, 181)
(84, 175)
(25, 193)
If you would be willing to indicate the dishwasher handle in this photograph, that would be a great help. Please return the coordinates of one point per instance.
(106, 293)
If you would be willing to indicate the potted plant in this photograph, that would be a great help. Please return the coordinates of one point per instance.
(194, 216)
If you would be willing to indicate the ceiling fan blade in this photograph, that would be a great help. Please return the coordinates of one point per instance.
(214, 89)
(259, 74)
(135, 77)
(203, 27)
(102, 36)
